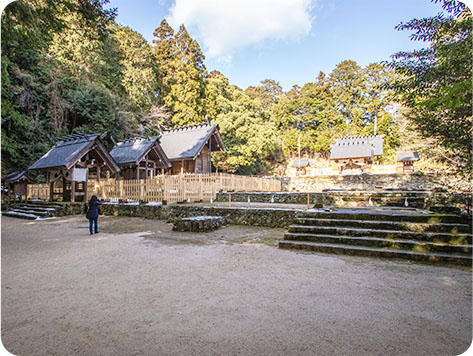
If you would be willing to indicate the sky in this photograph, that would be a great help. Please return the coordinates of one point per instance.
(289, 41)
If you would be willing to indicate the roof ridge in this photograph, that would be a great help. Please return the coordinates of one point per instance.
(189, 127)
(135, 138)
(359, 137)
(74, 138)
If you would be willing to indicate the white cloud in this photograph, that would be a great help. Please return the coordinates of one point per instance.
(224, 26)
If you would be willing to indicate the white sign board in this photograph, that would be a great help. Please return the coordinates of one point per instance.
(79, 174)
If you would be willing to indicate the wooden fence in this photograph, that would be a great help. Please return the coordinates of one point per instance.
(37, 191)
(179, 188)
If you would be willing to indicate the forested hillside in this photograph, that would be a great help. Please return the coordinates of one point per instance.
(67, 66)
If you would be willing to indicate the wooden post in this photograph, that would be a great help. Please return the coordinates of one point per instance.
(229, 199)
(201, 188)
(210, 154)
(308, 201)
(86, 186)
(73, 191)
(98, 173)
(51, 191)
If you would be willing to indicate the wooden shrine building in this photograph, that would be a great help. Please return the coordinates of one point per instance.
(71, 162)
(140, 158)
(356, 153)
(15, 184)
(407, 159)
(189, 148)
(299, 167)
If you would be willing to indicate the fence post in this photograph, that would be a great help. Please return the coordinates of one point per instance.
(201, 188)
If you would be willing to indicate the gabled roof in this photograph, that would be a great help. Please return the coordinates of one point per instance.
(408, 156)
(357, 147)
(69, 149)
(304, 162)
(188, 141)
(17, 176)
(133, 150)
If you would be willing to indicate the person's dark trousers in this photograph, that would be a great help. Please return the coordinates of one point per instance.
(93, 222)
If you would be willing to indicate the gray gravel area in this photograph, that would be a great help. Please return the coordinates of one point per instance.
(138, 288)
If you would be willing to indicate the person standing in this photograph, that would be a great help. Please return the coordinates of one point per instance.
(93, 214)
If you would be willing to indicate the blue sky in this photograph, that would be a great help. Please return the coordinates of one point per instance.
(289, 41)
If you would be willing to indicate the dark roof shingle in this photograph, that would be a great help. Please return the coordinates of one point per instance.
(134, 149)
(64, 151)
(67, 151)
(16, 176)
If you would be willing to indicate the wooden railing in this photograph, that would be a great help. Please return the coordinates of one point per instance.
(37, 191)
(178, 188)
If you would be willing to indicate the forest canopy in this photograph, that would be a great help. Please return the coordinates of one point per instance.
(67, 67)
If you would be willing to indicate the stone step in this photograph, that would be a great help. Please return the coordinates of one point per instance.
(399, 201)
(377, 252)
(42, 203)
(15, 214)
(37, 207)
(383, 214)
(369, 241)
(34, 212)
(386, 225)
(461, 238)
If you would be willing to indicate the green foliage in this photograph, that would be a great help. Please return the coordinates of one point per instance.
(435, 84)
(68, 67)
(182, 72)
(268, 94)
(140, 71)
(249, 136)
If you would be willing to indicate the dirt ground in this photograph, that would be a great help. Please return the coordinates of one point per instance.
(138, 288)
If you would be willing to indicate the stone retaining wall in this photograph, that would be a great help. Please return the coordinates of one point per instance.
(420, 200)
(234, 215)
(426, 181)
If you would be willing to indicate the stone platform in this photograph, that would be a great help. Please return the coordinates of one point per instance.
(199, 223)
(357, 198)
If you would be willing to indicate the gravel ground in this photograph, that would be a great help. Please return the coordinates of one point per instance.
(138, 288)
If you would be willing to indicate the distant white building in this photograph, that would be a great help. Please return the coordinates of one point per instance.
(356, 152)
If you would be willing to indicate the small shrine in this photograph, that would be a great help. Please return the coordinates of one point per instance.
(71, 162)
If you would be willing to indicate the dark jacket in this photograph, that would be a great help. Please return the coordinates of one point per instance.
(93, 212)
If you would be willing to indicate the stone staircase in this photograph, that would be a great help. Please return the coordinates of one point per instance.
(408, 233)
(33, 210)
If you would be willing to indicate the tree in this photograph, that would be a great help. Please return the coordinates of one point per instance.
(182, 73)
(268, 93)
(306, 112)
(434, 83)
(249, 136)
(347, 87)
(140, 71)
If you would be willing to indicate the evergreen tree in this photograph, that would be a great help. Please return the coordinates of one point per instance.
(435, 84)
